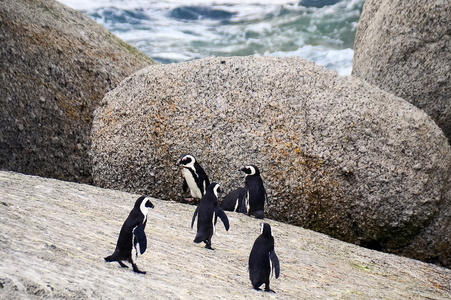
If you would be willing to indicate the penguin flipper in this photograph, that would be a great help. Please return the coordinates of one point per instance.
(242, 202)
(275, 263)
(202, 183)
(141, 237)
(221, 214)
(194, 216)
(185, 185)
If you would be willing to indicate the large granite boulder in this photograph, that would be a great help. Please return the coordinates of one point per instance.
(337, 155)
(404, 47)
(56, 65)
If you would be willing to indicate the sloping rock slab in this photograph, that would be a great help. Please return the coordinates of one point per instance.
(337, 155)
(54, 236)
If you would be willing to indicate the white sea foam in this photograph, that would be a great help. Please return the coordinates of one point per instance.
(86, 5)
(175, 31)
(341, 60)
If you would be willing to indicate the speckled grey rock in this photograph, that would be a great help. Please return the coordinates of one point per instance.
(404, 47)
(337, 155)
(55, 66)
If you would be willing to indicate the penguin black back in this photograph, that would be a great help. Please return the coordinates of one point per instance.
(194, 177)
(255, 192)
(207, 213)
(132, 238)
(263, 259)
(235, 201)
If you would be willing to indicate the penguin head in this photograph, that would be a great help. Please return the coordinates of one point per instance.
(143, 203)
(148, 203)
(250, 170)
(214, 188)
(265, 229)
(187, 161)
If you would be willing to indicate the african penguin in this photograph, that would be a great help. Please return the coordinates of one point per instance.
(255, 197)
(263, 259)
(234, 201)
(207, 213)
(132, 239)
(194, 177)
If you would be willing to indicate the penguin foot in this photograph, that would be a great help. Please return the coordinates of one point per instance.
(267, 289)
(208, 245)
(136, 270)
(191, 201)
(259, 214)
(122, 264)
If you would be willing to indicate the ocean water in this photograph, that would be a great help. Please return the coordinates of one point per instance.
(176, 30)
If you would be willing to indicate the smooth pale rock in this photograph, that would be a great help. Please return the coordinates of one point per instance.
(404, 47)
(56, 64)
(54, 235)
(337, 155)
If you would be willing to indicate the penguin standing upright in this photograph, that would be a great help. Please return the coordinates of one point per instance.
(194, 177)
(255, 192)
(132, 239)
(263, 259)
(208, 212)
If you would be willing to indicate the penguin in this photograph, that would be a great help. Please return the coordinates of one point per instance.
(208, 212)
(255, 197)
(194, 177)
(132, 239)
(263, 259)
(234, 201)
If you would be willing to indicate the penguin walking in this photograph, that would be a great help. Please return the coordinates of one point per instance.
(255, 197)
(208, 212)
(132, 239)
(263, 259)
(194, 177)
(235, 201)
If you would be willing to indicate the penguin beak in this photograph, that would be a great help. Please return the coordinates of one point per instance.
(243, 169)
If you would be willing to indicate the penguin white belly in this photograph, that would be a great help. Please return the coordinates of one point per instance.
(246, 199)
(194, 190)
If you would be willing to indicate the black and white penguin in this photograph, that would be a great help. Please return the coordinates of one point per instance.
(235, 201)
(194, 177)
(263, 259)
(132, 239)
(255, 192)
(207, 213)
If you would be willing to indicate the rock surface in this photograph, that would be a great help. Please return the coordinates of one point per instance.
(404, 47)
(337, 155)
(54, 236)
(55, 66)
